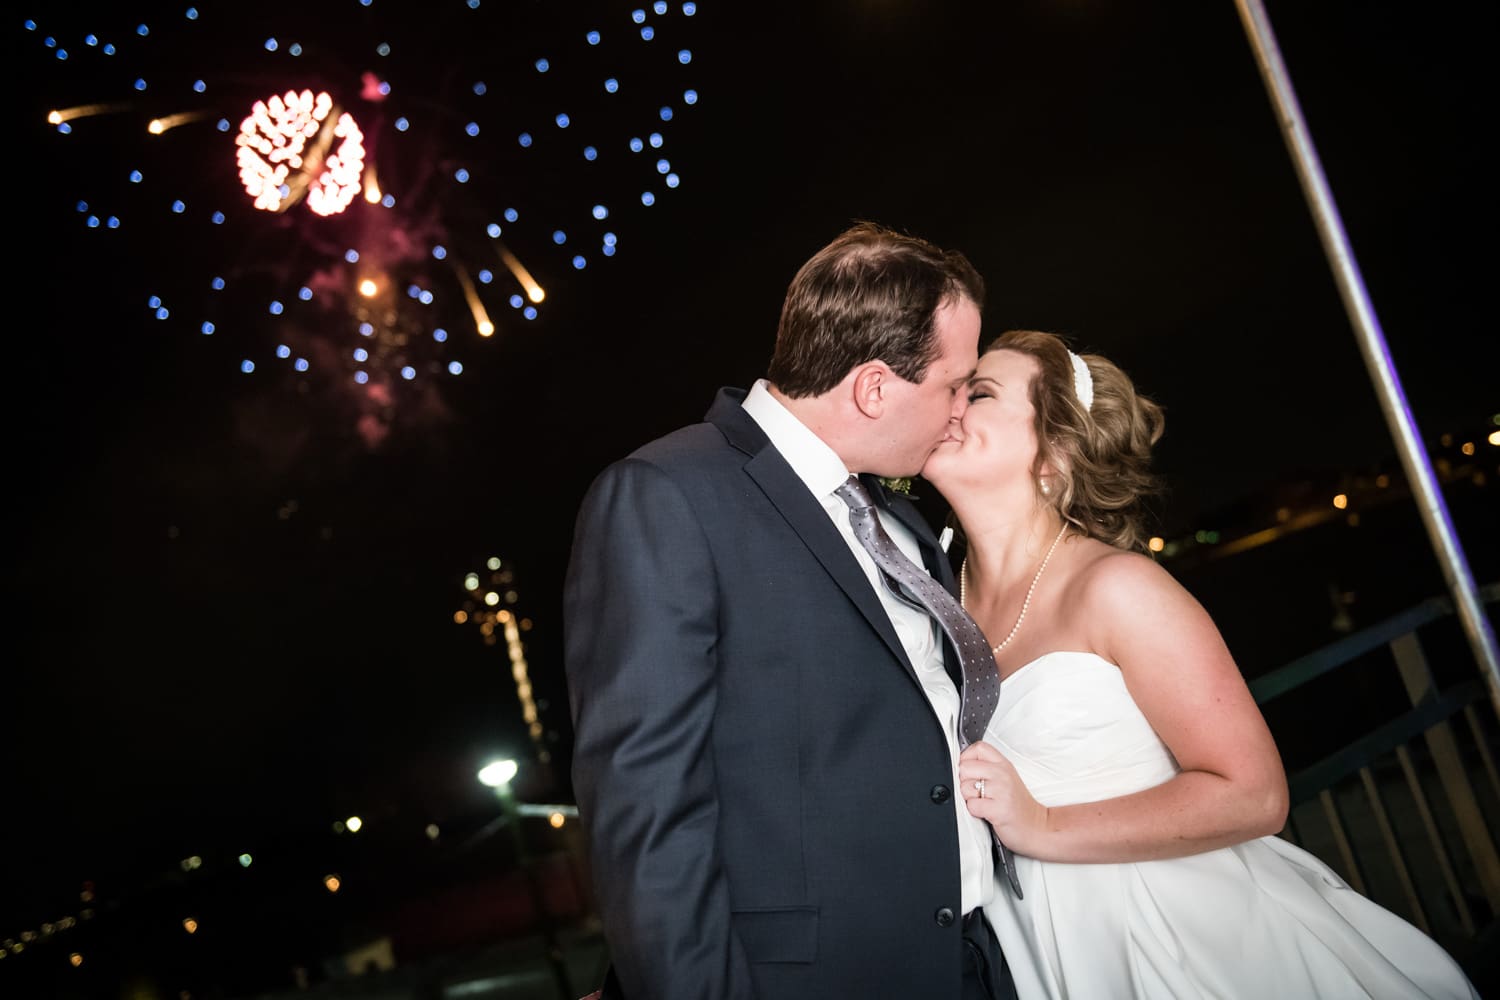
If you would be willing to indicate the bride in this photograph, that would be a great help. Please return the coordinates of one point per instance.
(1127, 765)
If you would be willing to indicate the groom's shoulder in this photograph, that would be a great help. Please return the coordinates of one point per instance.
(699, 445)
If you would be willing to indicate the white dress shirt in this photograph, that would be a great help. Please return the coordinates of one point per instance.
(823, 472)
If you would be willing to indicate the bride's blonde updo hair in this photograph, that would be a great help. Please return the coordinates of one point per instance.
(1099, 452)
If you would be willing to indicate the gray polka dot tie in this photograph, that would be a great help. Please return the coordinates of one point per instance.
(906, 580)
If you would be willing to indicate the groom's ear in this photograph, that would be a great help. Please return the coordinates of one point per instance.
(869, 386)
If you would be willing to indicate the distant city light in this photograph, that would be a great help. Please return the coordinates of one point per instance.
(1341, 501)
(331, 883)
(1157, 544)
(246, 860)
(190, 925)
(353, 824)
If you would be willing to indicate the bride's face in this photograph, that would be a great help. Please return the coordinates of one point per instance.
(994, 443)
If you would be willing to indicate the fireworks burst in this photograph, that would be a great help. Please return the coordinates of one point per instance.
(351, 205)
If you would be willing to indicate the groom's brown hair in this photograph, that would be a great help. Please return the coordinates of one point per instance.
(869, 295)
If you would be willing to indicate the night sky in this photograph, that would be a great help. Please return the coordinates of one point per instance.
(234, 609)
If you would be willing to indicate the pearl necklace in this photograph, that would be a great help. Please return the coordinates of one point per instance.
(963, 590)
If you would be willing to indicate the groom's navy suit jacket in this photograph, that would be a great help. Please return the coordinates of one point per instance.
(765, 788)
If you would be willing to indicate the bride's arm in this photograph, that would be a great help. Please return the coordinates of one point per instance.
(1232, 786)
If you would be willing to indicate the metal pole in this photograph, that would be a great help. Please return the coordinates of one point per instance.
(1372, 345)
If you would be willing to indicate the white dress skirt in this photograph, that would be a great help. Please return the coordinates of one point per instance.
(1262, 919)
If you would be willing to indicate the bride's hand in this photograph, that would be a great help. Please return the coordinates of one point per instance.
(1019, 820)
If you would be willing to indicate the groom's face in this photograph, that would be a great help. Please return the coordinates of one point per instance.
(926, 407)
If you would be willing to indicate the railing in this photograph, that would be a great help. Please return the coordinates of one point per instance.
(1370, 810)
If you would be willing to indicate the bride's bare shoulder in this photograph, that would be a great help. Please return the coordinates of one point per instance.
(1109, 578)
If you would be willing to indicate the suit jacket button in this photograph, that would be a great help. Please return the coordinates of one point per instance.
(941, 794)
(944, 917)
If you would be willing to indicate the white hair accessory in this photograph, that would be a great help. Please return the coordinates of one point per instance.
(1083, 382)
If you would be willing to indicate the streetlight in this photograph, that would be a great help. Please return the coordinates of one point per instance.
(498, 774)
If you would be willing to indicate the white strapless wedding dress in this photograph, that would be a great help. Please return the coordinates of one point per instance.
(1263, 919)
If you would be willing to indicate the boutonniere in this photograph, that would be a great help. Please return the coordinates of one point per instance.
(901, 485)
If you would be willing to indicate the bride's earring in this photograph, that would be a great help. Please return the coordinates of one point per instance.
(1046, 487)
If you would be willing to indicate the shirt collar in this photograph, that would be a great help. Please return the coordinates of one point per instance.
(817, 465)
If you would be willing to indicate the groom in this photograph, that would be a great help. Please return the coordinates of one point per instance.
(766, 745)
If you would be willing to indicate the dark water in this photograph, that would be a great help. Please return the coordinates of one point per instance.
(1285, 599)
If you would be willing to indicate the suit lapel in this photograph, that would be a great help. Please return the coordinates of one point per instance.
(806, 516)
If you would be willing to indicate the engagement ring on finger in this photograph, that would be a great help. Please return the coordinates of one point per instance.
(979, 787)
